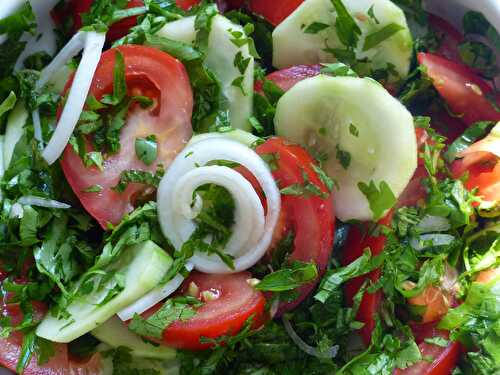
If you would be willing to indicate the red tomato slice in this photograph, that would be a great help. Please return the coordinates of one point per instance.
(186, 4)
(445, 359)
(449, 37)
(148, 72)
(289, 77)
(226, 315)
(274, 11)
(311, 218)
(118, 30)
(461, 88)
(484, 175)
(59, 364)
(357, 242)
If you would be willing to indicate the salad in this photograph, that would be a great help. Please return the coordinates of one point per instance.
(248, 187)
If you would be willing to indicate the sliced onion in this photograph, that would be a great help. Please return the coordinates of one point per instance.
(330, 353)
(70, 50)
(30, 200)
(431, 223)
(16, 211)
(94, 42)
(37, 125)
(252, 231)
(155, 296)
(434, 239)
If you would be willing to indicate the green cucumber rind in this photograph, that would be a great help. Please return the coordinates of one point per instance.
(317, 113)
(143, 265)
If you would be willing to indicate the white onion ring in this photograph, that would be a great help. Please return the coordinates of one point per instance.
(430, 223)
(155, 296)
(252, 232)
(94, 42)
(437, 239)
(16, 211)
(330, 353)
(30, 200)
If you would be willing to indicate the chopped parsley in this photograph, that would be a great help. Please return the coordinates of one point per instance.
(380, 198)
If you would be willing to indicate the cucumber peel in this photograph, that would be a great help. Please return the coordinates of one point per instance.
(382, 26)
(365, 134)
(115, 334)
(141, 268)
(220, 58)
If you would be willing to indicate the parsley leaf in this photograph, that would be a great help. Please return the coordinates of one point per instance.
(138, 177)
(289, 277)
(380, 198)
(348, 30)
(470, 135)
(175, 309)
(374, 39)
(146, 149)
(315, 27)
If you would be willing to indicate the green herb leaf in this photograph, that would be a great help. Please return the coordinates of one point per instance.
(380, 198)
(316, 27)
(374, 39)
(288, 278)
(471, 135)
(93, 189)
(119, 81)
(175, 309)
(138, 177)
(146, 149)
(348, 30)
(343, 157)
(371, 14)
(438, 341)
(8, 103)
(338, 70)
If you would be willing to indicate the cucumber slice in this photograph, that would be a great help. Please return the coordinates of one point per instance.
(141, 266)
(14, 131)
(115, 334)
(358, 117)
(220, 59)
(293, 46)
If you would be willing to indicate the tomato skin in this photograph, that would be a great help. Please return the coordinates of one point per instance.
(461, 88)
(449, 36)
(285, 79)
(223, 316)
(445, 359)
(357, 241)
(118, 30)
(484, 176)
(153, 73)
(274, 11)
(186, 4)
(59, 364)
(310, 218)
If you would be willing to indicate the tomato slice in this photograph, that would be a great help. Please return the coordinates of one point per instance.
(274, 11)
(484, 175)
(445, 358)
(118, 30)
(186, 4)
(357, 241)
(289, 77)
(148, 72)
(310, 218)
(59, 364)
(461, 88)
(449, 38)
(236, 301)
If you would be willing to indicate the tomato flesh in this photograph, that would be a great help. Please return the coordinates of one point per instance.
(235, 303)
(310, 218)
(357, 241)
(461, 88)
(285, 79)
(274, 11)
(445, 358)
(59, 364)
(148, 72)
